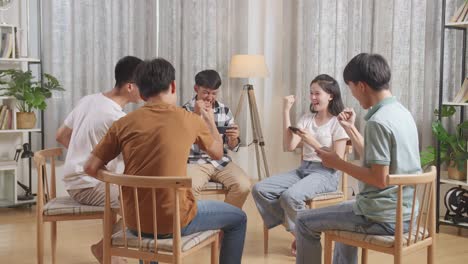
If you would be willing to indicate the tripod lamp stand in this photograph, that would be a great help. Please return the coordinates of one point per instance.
(251, 66)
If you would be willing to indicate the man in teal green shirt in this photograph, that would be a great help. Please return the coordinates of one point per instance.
(389, 146)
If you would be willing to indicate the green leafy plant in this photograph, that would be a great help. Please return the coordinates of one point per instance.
(29, 93)
(453, 147)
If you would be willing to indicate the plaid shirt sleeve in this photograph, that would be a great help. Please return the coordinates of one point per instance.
(223, 117)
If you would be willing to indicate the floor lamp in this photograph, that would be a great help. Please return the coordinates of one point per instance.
(251, 66)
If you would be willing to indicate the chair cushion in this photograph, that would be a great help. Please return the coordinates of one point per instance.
(68, 206)
(147, 244)
(212, 186)
(378, 240)
(327, 196)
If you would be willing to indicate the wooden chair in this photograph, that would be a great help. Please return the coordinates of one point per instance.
(50, 208)
(126, 244)
(323, 199)
(420, 234)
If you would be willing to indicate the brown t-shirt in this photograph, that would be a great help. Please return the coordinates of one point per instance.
(155, 140)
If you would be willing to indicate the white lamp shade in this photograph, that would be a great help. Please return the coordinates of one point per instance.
(248, 66)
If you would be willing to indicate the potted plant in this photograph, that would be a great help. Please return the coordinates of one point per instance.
(453, 147)
(30, 94)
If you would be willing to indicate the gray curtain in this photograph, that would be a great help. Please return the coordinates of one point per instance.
(199, 35)
(82, 41)
(300, 39)
(326, 34)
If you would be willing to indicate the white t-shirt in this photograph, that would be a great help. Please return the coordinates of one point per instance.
(325, 134)
(90, 120)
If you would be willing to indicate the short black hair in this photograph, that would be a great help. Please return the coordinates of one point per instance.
(331, 87)
(124, 70)
(372, 69)
(209, 79)
(154, 76)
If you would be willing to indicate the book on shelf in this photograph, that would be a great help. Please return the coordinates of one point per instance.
(6, 120)
(7, 45)
(461, 14)
(457, 14)
(462, 94)
(16, 40)
(3, 114)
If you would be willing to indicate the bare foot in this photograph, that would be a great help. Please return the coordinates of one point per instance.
(96, 249)
(293, 248)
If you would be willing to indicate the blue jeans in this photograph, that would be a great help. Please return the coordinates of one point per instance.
(311, 223)
(279, 198)
(212, 215)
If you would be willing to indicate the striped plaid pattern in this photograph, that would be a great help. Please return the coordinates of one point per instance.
(378, 240)
(223, 117)
(211, 185)
(147, 244)
(327, 196)
(68, 206)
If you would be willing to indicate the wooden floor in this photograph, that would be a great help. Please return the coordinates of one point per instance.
(17, 242)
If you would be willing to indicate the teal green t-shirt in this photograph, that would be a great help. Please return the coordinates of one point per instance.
(390, 138)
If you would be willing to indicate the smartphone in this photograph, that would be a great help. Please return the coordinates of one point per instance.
(294, 129)
(222, 129)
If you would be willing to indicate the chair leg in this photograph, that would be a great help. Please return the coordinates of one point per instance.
(364, 255)
(40, 240)
(53, 238)
(430, 254)
(397, 258)
(328, 250)
(265, 239)
(215, 251)
(106, 244)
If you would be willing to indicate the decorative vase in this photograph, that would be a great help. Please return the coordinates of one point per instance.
(25, 120)
(455, 174)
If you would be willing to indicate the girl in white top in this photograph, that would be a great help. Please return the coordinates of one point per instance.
(279, 198)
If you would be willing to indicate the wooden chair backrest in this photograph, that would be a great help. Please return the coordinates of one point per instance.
(344, 176)
(147, 182)
(422, 220)
(46, 186)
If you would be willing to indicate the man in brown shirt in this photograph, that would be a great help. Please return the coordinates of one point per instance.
(155, 140)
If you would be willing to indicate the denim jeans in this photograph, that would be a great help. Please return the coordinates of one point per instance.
(311, 223)
(279, 198)
(212, 215)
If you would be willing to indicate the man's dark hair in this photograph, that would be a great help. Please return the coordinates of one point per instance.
(154, 76)
(331, 87)
(372, 69)
(209, 79)
(124, 70)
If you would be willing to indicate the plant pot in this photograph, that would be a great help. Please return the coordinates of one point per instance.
(455, 174)
(25, 120)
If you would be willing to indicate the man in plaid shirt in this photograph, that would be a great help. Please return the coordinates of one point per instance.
(200, 166)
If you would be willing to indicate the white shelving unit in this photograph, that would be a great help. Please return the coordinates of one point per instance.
(11, 171)
(445, 179)
(19, 60)
(442, 175)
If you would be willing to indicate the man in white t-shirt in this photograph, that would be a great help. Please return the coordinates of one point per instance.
(84, 128)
